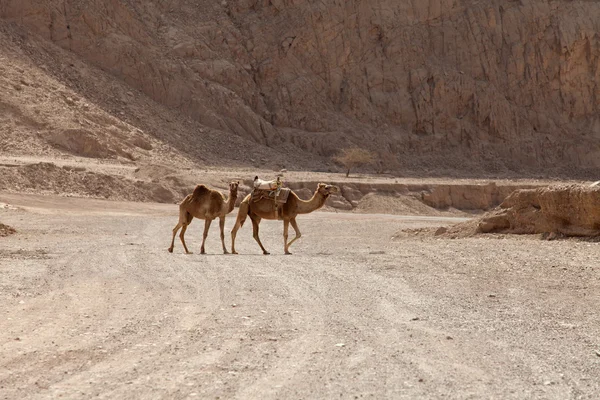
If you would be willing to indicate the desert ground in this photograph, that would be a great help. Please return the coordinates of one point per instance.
(112, 111)
(93, 305)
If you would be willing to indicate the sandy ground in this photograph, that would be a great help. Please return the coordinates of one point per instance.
(92, 304)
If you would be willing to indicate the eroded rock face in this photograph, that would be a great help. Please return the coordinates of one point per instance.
(464, 197)
(459, 84)
(572, 210)
(467, 197)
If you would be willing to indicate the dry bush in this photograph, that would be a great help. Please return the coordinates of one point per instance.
(6, 230)
(354, 157)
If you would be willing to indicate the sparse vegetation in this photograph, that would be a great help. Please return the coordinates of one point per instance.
(354, 157)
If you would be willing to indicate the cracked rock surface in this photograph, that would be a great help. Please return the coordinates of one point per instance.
(436, 84)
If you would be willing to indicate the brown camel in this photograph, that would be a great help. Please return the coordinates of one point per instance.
(265, 208)
(206, 204)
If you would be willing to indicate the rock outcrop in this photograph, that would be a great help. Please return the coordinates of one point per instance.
(571, 210)
(429, 85)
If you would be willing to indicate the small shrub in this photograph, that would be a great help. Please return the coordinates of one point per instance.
(354, 157)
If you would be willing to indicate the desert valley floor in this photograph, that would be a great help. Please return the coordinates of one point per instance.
(471, 116)
(92, 304)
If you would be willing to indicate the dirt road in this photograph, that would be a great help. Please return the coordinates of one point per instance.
(92, 304)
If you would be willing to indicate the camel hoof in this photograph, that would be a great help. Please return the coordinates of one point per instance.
(225, 252)
(266, 253)
(288, 253)
(189, 252)
(202, 252)
(234, 252)
(170, 249)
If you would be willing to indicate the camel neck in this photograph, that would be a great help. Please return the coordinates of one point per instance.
(231, 201)
(308, 206)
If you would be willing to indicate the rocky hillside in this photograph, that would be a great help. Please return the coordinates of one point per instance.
(436, 86)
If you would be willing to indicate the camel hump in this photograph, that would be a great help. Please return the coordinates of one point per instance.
(200, 190)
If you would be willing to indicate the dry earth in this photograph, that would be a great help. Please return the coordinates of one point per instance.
(139, 101)
(92, 304)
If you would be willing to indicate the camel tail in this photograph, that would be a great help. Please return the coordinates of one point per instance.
(199, 190)
(243, 213)
(188, 217)
(184, 216)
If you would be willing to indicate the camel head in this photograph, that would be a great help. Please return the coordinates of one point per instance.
(233, 187)
(325, 189)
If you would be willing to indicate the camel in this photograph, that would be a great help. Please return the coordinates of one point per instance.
(206, 204)
(266, 208)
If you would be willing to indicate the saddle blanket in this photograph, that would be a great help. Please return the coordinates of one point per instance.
(279, 195)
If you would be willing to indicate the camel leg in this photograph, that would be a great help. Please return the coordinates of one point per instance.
(181, 236)
(286, 225)
(233, 234)
(222, 227)
(207, 223)
(184, 220)
(255, 221)
(298, 234)
(175, 230)
(239, 222)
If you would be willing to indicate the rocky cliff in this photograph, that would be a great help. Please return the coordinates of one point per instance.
(430, 85)
(566, 210)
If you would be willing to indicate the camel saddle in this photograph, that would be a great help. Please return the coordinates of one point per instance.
(278, 196)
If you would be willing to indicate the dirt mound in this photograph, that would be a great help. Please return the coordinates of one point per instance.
(50, 178)
(6, 230)
(571, 210)
(399, 205)
(154, 171)
(81, 142)
(456, 231)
